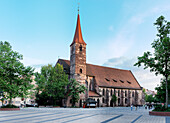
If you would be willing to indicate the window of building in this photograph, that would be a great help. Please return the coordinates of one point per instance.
(111, 92)
(81, 71)
(133, 94)
(103, 100)
(122, 81)
(118, 92)
(125, 100)
(118, 101)
(70, 100)
(107, 79)
(125, 93)
(80, 48)
(103, 92)
(114, 80)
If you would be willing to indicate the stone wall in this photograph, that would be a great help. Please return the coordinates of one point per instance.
(125, 97)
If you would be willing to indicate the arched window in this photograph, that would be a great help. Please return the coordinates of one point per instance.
(118, 92)
(133, 94)
(103, 92)
(125, 100)
(118, 101)
(103, 100)
(80, 48)
(80, 70)
(125, 93)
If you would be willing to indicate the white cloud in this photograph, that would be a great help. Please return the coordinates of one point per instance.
(35, 63)
(117, 46)
(127, 38)
(155, 11)
(137, 19)
(145, 78)
(160, 9)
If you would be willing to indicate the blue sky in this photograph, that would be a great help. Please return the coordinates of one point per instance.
(116, 31)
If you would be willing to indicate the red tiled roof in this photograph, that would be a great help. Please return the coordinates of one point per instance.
(103, 74)
(93, 94)
(78, 38)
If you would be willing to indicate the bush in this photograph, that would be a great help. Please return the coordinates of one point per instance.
(9, 106)
(161, 108)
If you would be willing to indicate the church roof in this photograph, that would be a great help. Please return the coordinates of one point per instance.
(107, 76)
(78, 38)
(93, 94)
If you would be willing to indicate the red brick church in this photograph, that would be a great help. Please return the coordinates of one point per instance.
(101, 82)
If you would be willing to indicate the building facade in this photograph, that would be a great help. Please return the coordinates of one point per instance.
(101, 82)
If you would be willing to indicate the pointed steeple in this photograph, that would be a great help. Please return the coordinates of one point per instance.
(78, 38)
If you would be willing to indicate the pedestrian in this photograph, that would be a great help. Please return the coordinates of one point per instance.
(136, 107)
(131, 107)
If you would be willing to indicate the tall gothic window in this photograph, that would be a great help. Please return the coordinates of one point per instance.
(125, 100)
(125, 93)
(118, 101)
(80, 48)
(133, 94)
(118, 92)
(103, 92)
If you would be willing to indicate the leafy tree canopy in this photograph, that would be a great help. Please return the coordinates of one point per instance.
(15, 78)
(114, 98)
(161, 91)
(159, 61)
(75, 88)
(52, 82)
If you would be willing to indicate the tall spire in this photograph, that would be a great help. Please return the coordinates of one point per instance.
(78, 38)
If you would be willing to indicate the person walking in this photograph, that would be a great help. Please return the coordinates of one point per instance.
(136, 107)
(131, 107)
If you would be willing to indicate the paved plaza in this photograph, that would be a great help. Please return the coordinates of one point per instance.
(81, 115)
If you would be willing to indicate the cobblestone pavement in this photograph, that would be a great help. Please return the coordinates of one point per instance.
(81, 115)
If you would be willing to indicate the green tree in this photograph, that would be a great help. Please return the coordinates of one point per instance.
(161, 91)
(114, 98)
(159, 61)
(149, 98)
(52, 82)
(74, 90)
(15, 78)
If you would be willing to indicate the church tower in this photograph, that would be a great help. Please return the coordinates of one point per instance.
(78, 57)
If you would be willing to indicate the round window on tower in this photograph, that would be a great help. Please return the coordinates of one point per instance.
(80, 48)
(80, 70)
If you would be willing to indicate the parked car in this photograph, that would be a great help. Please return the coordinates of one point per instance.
(31, 105)
(90, 103)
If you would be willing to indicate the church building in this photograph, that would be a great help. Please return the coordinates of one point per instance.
(101, 82)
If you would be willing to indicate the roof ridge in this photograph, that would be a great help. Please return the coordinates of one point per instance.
(108, 67)
(101, 66)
